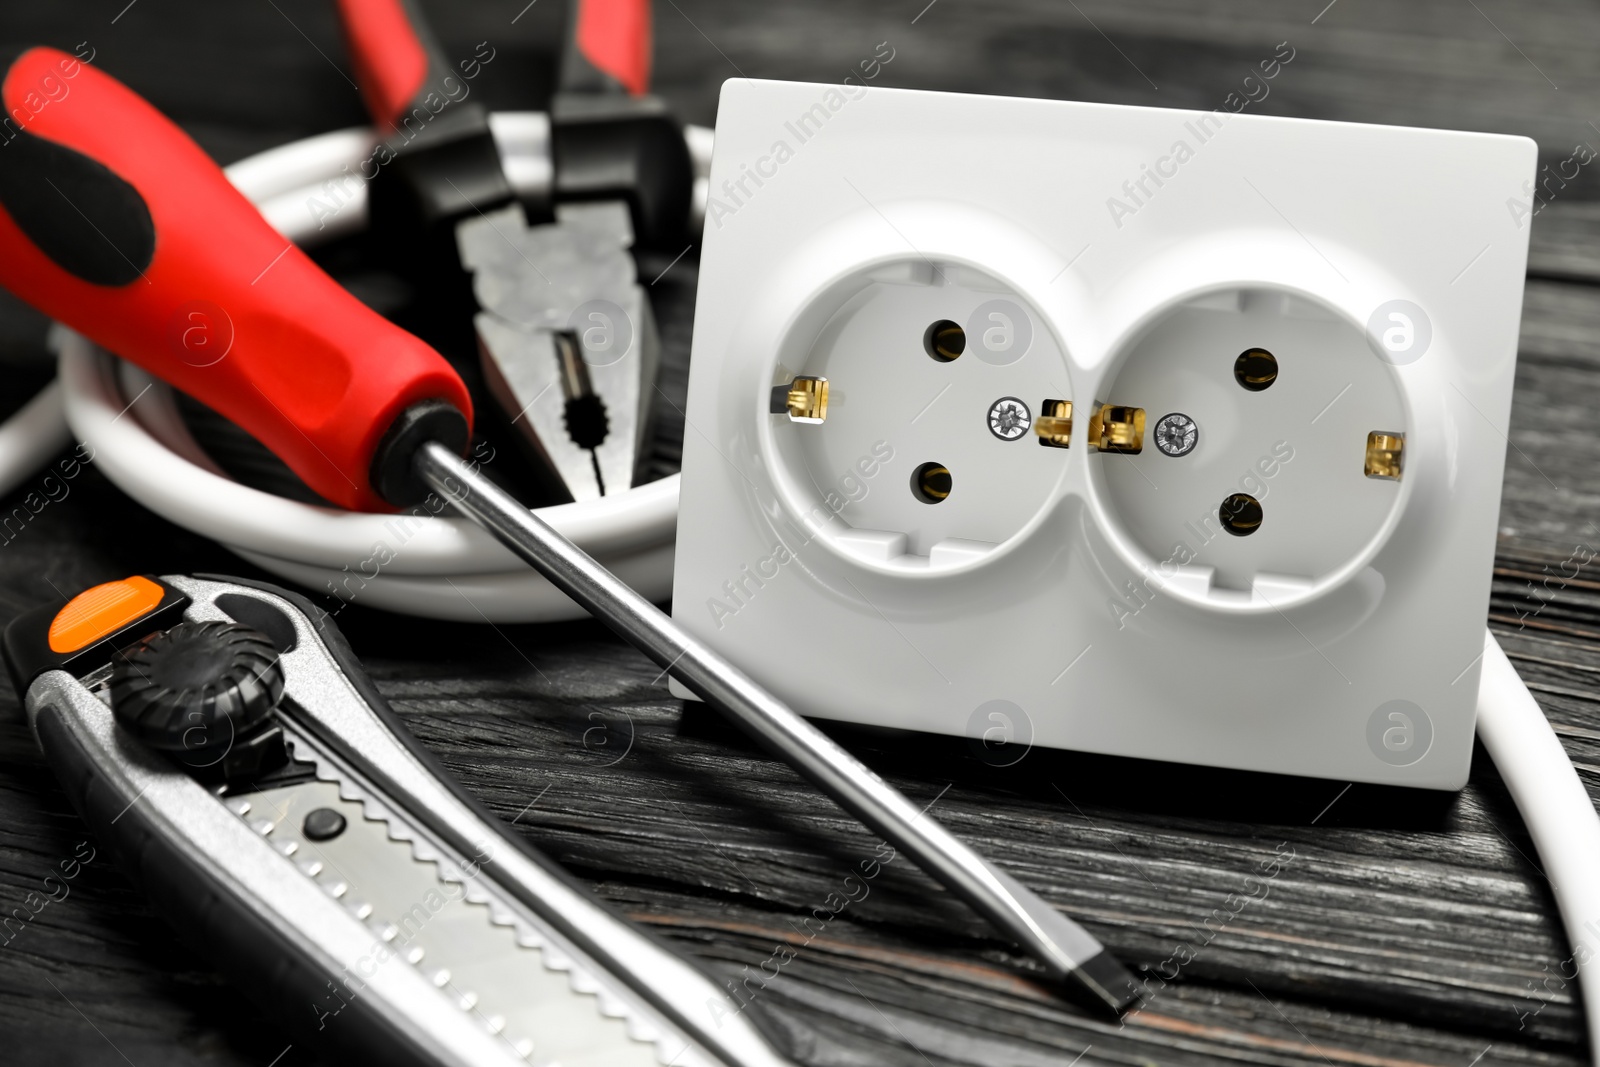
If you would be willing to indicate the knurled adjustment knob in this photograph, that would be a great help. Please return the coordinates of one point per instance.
(197, 686)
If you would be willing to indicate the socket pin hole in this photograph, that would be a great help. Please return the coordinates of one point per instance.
(945, 341)
(1240, 514)
(930, 483)
(1255, 369)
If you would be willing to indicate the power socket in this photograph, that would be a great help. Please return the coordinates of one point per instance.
(1166, 434)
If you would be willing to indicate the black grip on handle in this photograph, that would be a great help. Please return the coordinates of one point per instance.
(88, 220)
(440, 163)
(629, 149)
(214, 920)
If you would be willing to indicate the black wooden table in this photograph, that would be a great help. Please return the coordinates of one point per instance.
(1399, 928)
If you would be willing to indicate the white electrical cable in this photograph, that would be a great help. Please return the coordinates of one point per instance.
(436, 567)
(700, 140)
(31, 438)
(1557, 810)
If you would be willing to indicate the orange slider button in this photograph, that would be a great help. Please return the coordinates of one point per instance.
(102, 610)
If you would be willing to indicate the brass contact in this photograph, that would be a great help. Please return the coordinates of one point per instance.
(1255, 369)
(945, 341)
(804, 400)
(1240, 514)
(1117, 429)
(1054, 424)
(931, 483)
(1385, 454)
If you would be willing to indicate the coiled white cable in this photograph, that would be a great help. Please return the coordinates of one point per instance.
(31, 438)
(414, 563)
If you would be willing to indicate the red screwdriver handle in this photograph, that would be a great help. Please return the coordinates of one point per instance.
(115, 223)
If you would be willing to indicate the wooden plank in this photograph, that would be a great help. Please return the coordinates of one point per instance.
(1565, 241)
(1429, 913)
(1417, 64)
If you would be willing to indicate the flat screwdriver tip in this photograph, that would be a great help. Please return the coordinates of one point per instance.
(1107, 982)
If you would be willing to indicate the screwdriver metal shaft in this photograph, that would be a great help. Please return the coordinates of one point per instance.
(1068, 951)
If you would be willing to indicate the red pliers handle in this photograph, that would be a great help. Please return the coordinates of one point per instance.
(398, 61)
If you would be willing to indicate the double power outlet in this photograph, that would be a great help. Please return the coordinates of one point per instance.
(972, 451)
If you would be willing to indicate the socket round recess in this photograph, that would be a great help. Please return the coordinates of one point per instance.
(1293, 481)
(907, 471)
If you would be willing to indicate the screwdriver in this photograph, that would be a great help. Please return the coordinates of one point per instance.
(115, 223)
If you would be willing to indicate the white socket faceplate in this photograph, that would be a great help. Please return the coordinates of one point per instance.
(1081, 599)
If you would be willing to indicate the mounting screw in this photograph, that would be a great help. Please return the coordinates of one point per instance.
(1009, 418)
(1177, 434)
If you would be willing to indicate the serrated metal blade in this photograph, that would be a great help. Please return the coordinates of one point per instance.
(520, 980)
(493, 972)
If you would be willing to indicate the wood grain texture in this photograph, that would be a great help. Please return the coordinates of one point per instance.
(1398, 928)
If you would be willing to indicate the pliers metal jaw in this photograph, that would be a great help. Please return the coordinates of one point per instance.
(567, 340)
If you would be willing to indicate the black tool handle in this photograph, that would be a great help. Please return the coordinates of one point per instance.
(604, 145)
